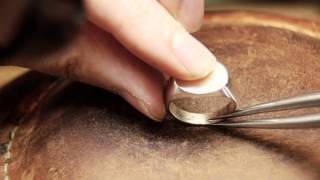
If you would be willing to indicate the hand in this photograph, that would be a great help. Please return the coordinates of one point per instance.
(128, 45)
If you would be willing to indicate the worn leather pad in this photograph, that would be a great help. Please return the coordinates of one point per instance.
(62, 130)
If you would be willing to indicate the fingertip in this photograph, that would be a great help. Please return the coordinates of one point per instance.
(188, 12)
(155, 111)
(191, 13)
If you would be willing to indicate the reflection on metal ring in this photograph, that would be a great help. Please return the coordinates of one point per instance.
(198, 109)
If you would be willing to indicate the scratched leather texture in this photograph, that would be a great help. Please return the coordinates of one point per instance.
(56, 129)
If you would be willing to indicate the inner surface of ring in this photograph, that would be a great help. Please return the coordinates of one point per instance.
(199, 109)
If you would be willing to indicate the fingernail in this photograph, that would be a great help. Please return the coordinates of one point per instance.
(191, 14)
(193, 55)
(141, 106)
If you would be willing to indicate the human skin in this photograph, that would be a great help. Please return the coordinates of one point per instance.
(129, 46)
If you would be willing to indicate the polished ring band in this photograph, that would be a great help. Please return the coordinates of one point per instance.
(201, 104)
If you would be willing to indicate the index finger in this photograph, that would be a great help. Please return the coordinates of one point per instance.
(152, 34)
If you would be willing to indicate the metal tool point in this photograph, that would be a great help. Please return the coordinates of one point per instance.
(295, 102)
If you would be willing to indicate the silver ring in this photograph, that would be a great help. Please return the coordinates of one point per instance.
(201, 103)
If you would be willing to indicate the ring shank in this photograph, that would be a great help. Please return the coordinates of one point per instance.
(195, 108)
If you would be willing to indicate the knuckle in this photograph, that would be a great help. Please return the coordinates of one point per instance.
(70, 67)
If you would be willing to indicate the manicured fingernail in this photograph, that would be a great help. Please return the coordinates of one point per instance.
(141, 106)
(193, 55)
(147, 111)
(191, 14)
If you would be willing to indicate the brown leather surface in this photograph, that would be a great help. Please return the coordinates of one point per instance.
(62, 130)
